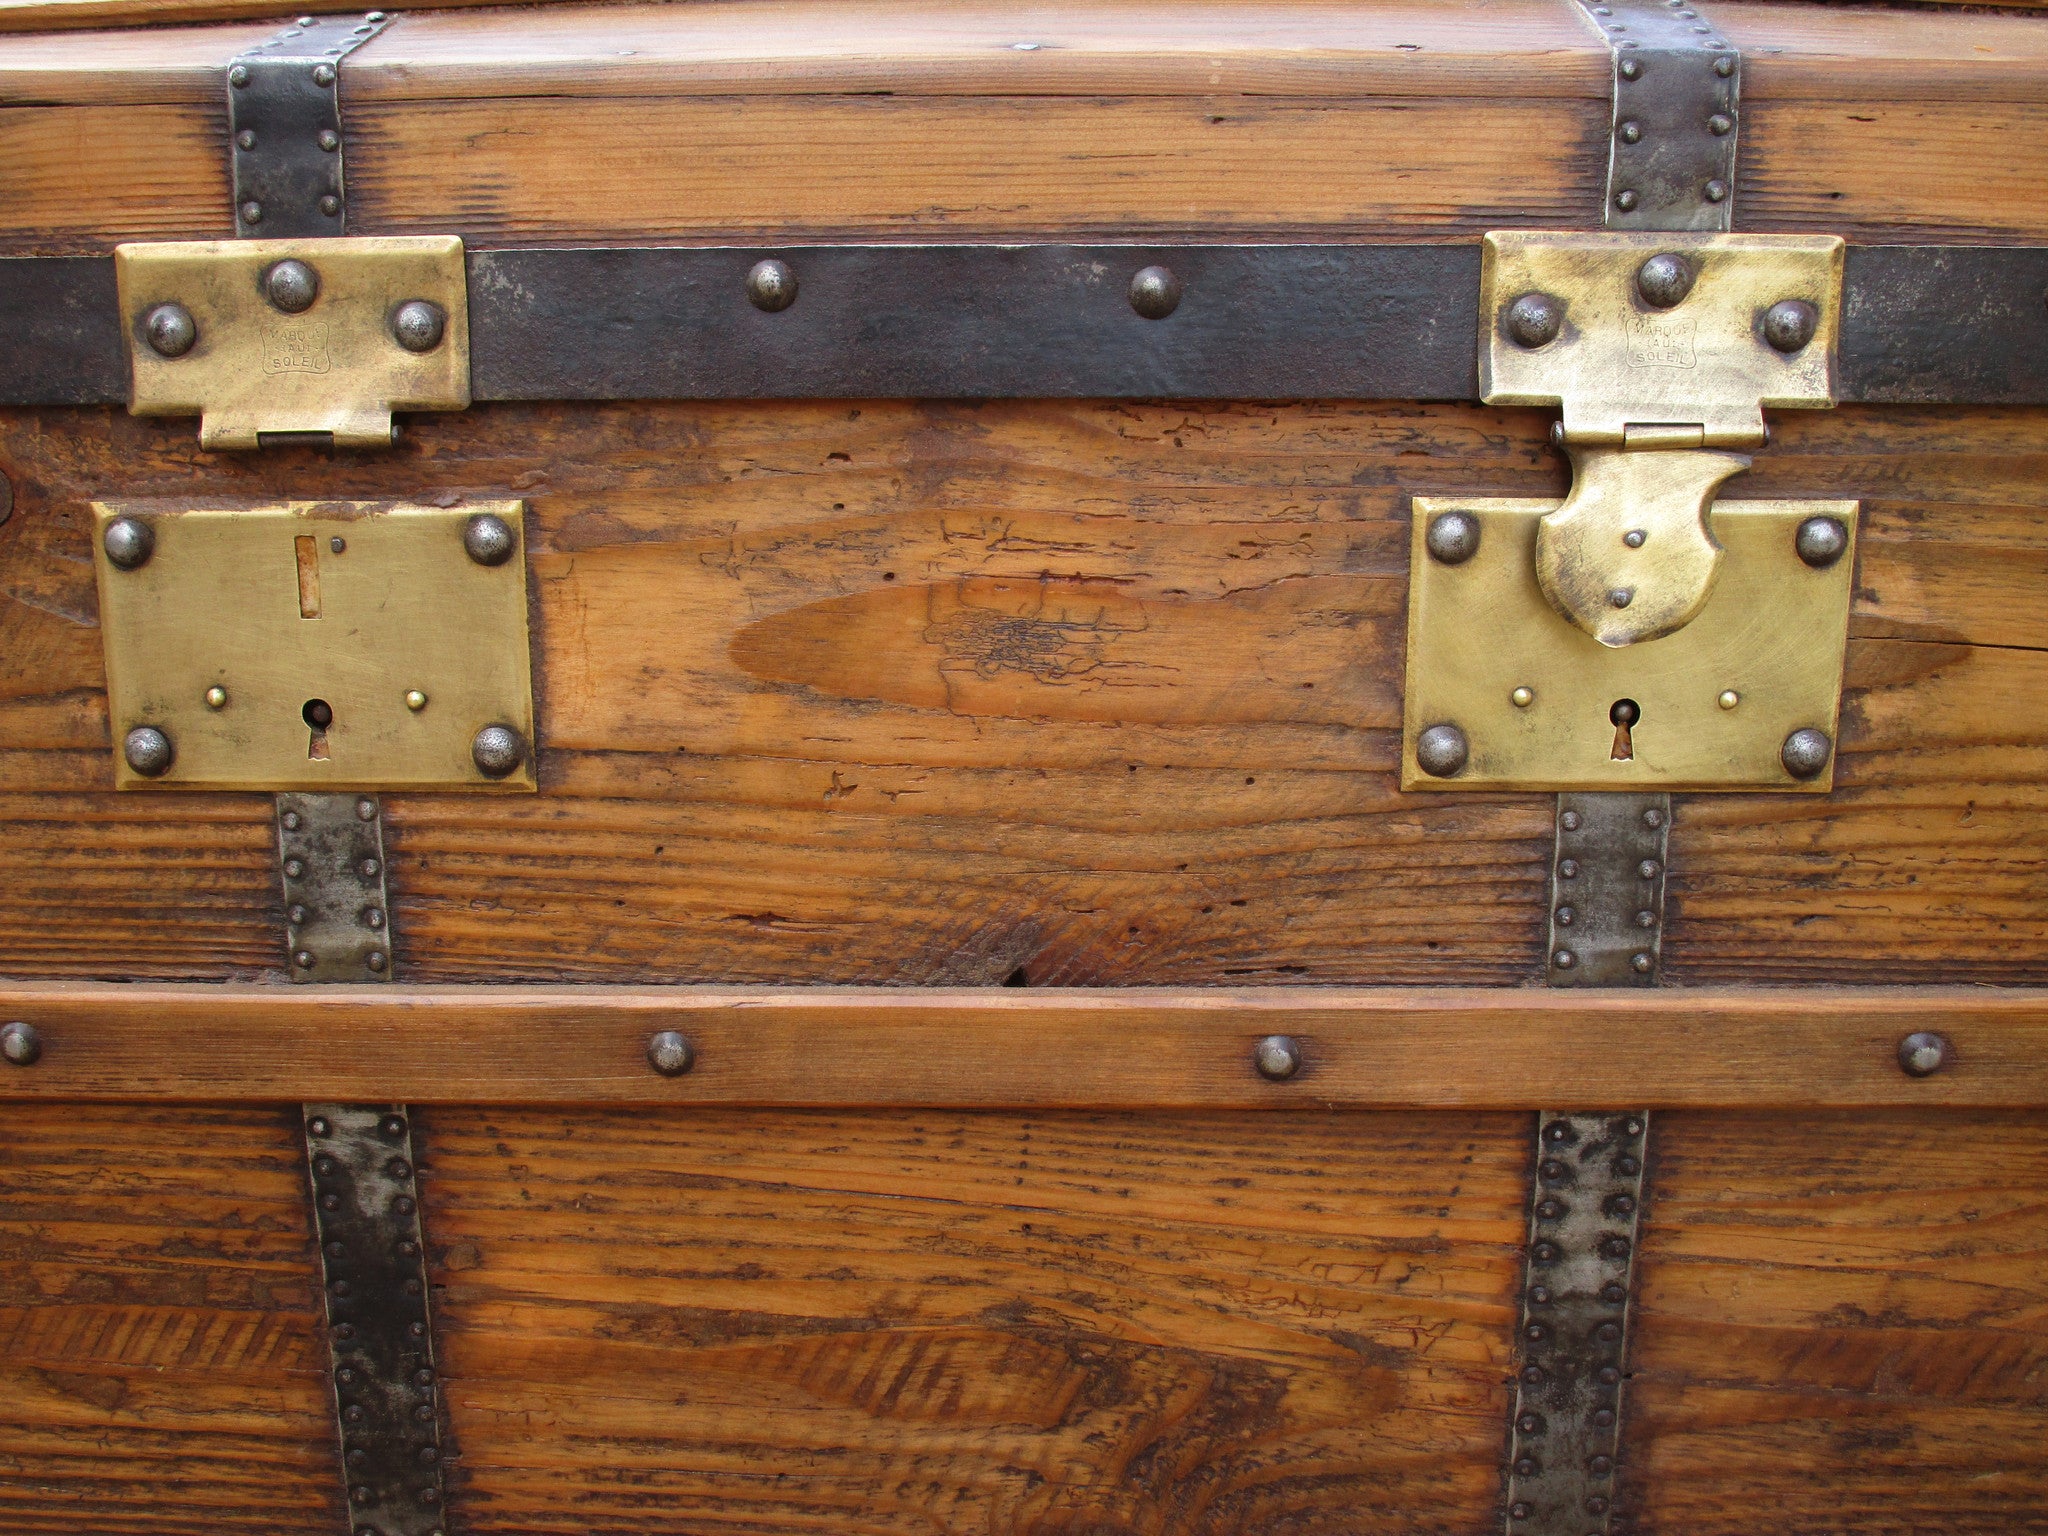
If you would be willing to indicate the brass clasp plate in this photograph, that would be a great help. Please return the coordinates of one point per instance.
(316, 646)
(278, 339)
(1503, 692)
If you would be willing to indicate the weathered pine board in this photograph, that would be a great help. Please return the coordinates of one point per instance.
(1841, 1323)
(1058, 693)
(162, 1368)
(937, 1323)
(806, 669)
(766, 119)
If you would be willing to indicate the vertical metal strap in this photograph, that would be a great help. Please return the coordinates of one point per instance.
(1677, 100)
(284, 123)
(1607, 890)
(337, 916)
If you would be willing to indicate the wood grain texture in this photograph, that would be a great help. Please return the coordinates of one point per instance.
(1840, 1321)
(969, 1323)
(161, 1365)
(1124, 1047)
(1064, 693)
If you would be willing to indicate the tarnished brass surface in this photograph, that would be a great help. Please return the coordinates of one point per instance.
(335, 367)
(1618, 361)
(1772, 634)
(241, 618)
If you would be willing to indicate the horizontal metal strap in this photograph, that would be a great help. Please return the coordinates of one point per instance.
(1252, 1048)
(1925, 324)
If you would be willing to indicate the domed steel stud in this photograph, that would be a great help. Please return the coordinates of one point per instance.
(148, 751)
(1442, 751)
(418, 325)
(1806, 752)
(1789, 324)
(1452, 537)
(489, 539)
(1155, 292)
(771, 286)
(1923, 1053)
(170, 330)
(21, 1044)
(497, 751)
(129, 542)
(291, 286)
(1664, 280)
(1277, 1057)
(670, 1053)
(1534, 320)
(1821, 541)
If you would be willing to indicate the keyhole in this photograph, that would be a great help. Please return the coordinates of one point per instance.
(318, 715)
(1625, 713)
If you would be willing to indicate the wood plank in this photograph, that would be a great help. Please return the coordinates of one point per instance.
(1498, 1048)
(949, 694)
(1839, 1320)
(963, 1323)
(161, 1364)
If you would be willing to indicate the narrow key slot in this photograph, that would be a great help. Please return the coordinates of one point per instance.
(309, 576)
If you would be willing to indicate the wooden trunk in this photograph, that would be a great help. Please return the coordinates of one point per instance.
(976, 781)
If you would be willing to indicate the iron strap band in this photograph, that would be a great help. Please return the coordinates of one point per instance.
(1677, 88)
(284, 127)
(1921, 324)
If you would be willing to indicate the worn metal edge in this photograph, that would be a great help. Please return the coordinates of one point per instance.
(1921, 324)
(1464, 1047)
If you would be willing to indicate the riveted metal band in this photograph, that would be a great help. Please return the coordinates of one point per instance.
(284, 125)
(1607, 890)
(379, 1331)
(337, 916)
(1677, 94)
(1565, 1443)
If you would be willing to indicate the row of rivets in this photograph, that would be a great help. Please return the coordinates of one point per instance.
(1155, 291)
(323, 74)
(1275, 1058)
(292, 287)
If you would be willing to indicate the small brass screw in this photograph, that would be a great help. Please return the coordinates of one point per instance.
(1729, 698)
(415, 700)
(216, 697)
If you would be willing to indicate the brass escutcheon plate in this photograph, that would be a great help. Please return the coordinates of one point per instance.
(1773, 634)
(242, 619)
(252, 371)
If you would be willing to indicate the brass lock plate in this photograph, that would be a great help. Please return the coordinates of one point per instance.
(316, 645)
(1617, 361)
(372, 325)
(1536, 699)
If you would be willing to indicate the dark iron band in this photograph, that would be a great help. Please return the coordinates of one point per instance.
(1921, 324)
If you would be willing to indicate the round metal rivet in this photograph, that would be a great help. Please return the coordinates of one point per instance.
(216, 697)
(366, 810)
(246, 139)
(1534, 320)
(489, 539)
(1635, 538)
(1664, 280)
(1630, 133)
(1631, 69)
(1566, 916)
(403, 1205)
(252, 213)
(1564, 959)
(1806, 752)
(1646, 918)
(238, 74)
(330, 1202)
(1608, 1375)
(1625, 201)
(1648, 869)
(376, 959)
(323, 74)
(21, 1044)
(418, 325)
(771, 286)
(1600, 1466)
(1720, 124)
(148, 751)
(1526, 1467)
(1551, 1168)
(330, 205)
(1821, 541)
(497, 751)
(1569, 821)
(1518, 1511)
(1536, 1331)
(1522, 697)
(289, 821)
(1653, 818)
(1614, 1293)
(1724, 67)
(1789, 324)
(373, 917)
(1277, 1057)
(129, 542)
(1596, 1506)
(170, 330)
(1442, 751)
(1607, 1333)
(398, 1168)
(1603, 1417)
(329, 140)
(670, 1053)
(369, 869)
(1729, 698)
(294, 868)
(1921, 1054)
(1540, 1295)
(1550, 1210)
(1621, 597)
(1155, 292)
(1715, 191)
(1627, 1167)
(291, 286)
(1452, 538)
(1641, 963)
(415, 700)
(1568, 869)
(318, 1126)
(1544, 1253)
(1558, 1132)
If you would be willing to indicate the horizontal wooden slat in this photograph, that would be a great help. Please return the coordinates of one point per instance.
(1505, 1048)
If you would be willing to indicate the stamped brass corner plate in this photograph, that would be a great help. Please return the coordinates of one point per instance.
(352, 330)
(1539, 704)
(316, 646)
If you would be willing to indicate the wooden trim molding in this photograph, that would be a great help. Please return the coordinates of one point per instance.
(1493, 1048)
